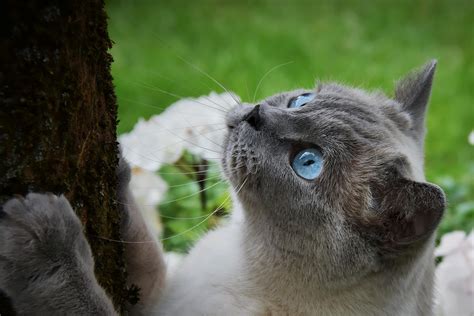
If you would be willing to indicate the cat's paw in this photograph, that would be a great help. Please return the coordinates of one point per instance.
(41, 242)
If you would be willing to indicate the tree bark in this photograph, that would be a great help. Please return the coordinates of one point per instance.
(58, 119)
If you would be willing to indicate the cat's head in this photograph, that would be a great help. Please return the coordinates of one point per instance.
(336, 172)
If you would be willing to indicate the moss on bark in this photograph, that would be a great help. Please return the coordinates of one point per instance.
(58, 118)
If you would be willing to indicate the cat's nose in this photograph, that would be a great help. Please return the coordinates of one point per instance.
(245, 113)
(253, 117)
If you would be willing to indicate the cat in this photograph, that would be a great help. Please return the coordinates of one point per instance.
(332, 216)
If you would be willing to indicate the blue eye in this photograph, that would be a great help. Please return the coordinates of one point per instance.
(308, 163)
(301, 100)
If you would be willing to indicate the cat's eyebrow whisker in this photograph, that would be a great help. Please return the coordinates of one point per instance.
(197, 69)
(266, 74)
(210, 77)
(175, 81)
(208, 216)
(154, 88)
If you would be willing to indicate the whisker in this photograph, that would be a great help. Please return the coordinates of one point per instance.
(161, 108)
(266, 74)
(210, 77)
(192, 194)
(197, 69)
(177, 96)
(214, 102)
(247, 89)
(182, 140)
(213, 158)
(124, 241)
(194, 172)
(189, 142)
(207, 217)
(175, 81)
(207, 138)
(176, 173)
(184, 218)
(152, 88)
(178, 199)
(192, 99)
(182, 184)
(152, 150)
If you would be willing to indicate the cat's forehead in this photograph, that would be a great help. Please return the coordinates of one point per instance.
(333, 92)
(380, 119)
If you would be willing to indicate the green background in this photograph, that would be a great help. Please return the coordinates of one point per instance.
(369, 44)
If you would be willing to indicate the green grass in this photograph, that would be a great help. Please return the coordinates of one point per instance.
(362, 43)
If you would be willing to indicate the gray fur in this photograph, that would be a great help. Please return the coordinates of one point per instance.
(361, 232)
(364, 228)
(413, 93)
(145, 266)
(46, 265)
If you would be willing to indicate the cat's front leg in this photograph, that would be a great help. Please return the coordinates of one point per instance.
(143, 253)
(46, 265)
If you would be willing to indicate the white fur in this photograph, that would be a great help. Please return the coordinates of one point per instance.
(213, 280)
(209, 281)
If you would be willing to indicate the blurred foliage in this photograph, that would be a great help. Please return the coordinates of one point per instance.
(159, 44)
(184, 218)
(460, 212)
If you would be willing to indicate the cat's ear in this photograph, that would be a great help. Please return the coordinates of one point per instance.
(408, 211)
(413, 92)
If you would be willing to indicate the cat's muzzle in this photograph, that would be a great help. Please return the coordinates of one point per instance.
(240, 159)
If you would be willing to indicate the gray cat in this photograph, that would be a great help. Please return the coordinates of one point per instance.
(332, 216)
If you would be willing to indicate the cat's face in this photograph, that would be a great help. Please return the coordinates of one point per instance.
(331, 173)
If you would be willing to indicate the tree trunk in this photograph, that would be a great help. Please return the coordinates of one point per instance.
(58, 119)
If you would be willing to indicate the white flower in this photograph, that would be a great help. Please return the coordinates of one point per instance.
(151, 143)
(197, 125)
(202, 122)
(455, 274)
(148, 189)
(470, 138)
